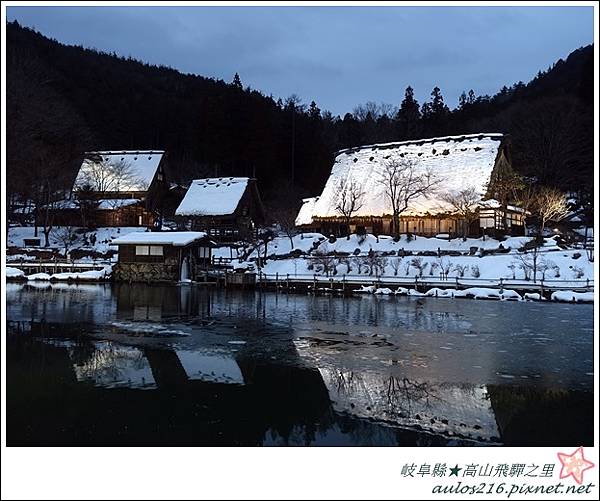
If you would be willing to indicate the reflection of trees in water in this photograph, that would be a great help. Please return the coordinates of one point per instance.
(391, 395)
(82, 351)
(109, 361)
(402, 392)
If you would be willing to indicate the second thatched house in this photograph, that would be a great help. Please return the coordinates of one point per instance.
(458, 164)
(226, 208)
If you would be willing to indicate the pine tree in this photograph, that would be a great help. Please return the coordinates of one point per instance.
(408, 117)
(237, 82)
(435, 114)
(313, 111)
(438, 107)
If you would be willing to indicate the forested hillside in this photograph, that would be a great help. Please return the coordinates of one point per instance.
(63, 100)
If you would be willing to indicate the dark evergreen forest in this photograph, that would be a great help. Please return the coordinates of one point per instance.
(63, 100)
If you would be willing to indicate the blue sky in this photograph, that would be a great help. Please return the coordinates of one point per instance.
(338, 56)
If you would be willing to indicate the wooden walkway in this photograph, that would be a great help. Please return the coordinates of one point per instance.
(51, 267)
(348, 285)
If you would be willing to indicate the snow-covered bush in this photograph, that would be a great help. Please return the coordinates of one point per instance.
(381, 265)
(396, 263)
(345, 261)
(475, 273)
(356, 263)
(545, 265)
(418, 264)
(407, 265)
(432, 267)
(577, 271)
(460, 269)
(324, 263)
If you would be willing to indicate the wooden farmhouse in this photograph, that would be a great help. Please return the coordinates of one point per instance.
(457, 162)
(226, 208)
(117, 188)
(162, 256)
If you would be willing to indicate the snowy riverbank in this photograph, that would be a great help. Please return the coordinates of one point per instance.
(84, 276)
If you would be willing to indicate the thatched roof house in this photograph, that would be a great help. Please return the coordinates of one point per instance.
(458, 162)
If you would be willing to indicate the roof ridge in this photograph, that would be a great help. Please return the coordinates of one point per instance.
(222, 178)
(120, 152)
(460, 137)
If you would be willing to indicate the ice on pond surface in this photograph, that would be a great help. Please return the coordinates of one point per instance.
(210, 367)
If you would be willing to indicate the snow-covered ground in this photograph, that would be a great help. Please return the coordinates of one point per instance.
(92, 275)
(103, 236)
(569, 266)
(305, 242)
(560, 265)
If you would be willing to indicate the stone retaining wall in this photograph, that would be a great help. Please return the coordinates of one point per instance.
(145, 272)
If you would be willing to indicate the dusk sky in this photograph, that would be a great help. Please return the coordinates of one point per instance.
(338, 56)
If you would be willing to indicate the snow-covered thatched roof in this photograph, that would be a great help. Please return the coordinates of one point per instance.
(215, 196)
(306, 211)
(175, 238)
(459, 162)
(115, 171)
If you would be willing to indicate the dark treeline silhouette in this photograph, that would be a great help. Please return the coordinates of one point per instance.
(63, 100)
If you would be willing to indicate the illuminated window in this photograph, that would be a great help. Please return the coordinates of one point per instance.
(141, 250)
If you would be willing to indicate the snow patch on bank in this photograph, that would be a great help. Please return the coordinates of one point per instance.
(573, 297)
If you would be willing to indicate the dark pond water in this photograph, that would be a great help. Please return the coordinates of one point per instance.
(153, 365)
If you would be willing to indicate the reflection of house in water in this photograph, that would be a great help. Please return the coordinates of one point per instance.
(460, 410)
(142, 302)
(110, 365)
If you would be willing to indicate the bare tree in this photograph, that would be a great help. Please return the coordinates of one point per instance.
(349, 201)
(403, 182)
(549, 205)
(445, 266)
(502, 186)
(465, 203)
(524, 195)
(103, 177)
(67, 236)
(286, 219)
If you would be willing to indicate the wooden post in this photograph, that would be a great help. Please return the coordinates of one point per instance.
(277, 281)
(314, 282)
(287, 282)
